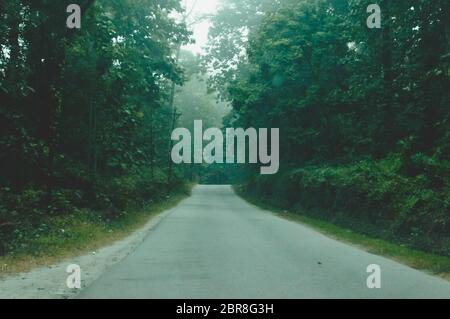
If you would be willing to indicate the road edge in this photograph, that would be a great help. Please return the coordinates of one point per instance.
(418, 260)
(49, 282)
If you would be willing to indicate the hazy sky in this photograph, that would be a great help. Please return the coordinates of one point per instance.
(200, 29)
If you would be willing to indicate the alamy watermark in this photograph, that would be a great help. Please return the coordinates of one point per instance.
(374, 279)
(74, 19)
(73, 281)
(236, 146)
(374, 20)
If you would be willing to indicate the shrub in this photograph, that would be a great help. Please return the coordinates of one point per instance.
(373, 197)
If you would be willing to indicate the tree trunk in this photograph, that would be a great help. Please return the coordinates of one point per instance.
(174, 120)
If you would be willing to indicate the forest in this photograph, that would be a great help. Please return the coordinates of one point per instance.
(86, 115)
(363, 112)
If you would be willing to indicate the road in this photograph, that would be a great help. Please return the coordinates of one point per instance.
(216, 245)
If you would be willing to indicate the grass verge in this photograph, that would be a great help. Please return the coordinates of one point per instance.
(80, 233)
(432, 263)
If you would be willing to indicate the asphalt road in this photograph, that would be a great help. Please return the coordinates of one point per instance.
(215, 245)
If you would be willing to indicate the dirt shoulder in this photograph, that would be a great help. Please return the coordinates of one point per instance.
(50, 282)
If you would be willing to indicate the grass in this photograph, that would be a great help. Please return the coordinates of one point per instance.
(432, 263)
(78, 234)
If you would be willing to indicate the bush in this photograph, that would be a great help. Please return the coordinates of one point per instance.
(372, 197)
(123, 193)
(22, 214)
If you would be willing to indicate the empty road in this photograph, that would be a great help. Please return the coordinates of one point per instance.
(215, 245)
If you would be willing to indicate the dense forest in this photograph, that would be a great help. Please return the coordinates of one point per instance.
(363, 112)
(86, 114)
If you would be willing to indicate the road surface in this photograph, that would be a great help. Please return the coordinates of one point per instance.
(215, 245)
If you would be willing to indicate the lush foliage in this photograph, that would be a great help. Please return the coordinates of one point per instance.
(350, 100)
(85, 115)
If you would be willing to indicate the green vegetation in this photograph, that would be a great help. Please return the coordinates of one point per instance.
(86, 117)
(77, 233)
(363, 113)
(194, 101)
(116, 199)
(369, 196)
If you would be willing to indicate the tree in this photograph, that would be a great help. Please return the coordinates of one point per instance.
(82, 108)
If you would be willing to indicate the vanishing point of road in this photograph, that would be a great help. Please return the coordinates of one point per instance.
(216, 245)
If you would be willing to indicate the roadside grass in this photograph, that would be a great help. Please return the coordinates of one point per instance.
(420, 260)
(81, 233)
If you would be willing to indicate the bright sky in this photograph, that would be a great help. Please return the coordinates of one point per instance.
(200, 7)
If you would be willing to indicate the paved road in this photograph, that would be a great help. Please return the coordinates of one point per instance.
(215, 245)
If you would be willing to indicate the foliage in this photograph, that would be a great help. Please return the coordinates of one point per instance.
(363, 113)
(84, 114)
(371, 197)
